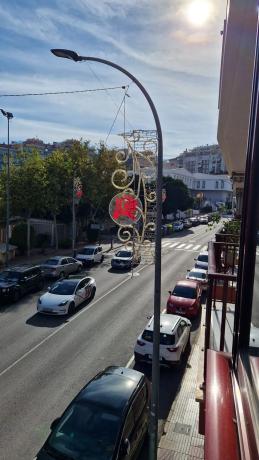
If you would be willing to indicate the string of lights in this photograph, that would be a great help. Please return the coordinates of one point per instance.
(63, 92)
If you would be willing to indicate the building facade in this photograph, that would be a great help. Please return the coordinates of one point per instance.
(206, 159)
(209, 189)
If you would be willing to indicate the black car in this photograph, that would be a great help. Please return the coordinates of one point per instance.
(18, 280)
(107, 420)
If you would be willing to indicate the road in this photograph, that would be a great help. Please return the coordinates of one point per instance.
(45, 361)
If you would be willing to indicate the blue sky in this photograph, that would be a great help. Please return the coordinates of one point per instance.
(176, 60)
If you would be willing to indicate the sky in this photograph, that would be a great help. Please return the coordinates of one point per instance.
(173, 47)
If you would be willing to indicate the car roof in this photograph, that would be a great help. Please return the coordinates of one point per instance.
(187, 283)
(203, 253)
(167, 323)
(199, 270)
(92, 246)
(20, 268)
(112, 387)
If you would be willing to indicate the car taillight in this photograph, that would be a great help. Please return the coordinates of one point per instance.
(140, 343)
(172, 349)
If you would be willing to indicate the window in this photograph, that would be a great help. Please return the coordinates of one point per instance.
(222, 184)
(198, 184)
(129, 425)
(63, 261)
(203, 184)
(71, 260)
(216, 184)
(179, 331)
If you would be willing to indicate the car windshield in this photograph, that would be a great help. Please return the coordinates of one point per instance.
(200, 275)
(165, 339)
(51, 262)
(87, 432)
(203, 258)
(66, 287)
(184, 291)
(124, 254)
(8, 275)
(87, 251)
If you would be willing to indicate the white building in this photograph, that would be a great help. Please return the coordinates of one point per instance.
(205, 159)
(210, 189)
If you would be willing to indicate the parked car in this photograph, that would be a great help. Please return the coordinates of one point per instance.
(90, 254)
(174, 338)
(178, 226)
(204, 220)
(66, 295)
(19, 280)
(202, 260)
(185, 299)
(125, 259)
(107, 420)
(198, 274)
(187, 223)
(60, 267)
(195, 221)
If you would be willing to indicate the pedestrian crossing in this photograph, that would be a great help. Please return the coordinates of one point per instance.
(184, 246)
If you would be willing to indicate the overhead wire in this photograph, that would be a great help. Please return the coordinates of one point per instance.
(117, 113)
(63, 92)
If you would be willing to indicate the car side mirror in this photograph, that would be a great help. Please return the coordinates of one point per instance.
(188, 270)
(49, 288)
(170, 292)
(125, 448)
(54, 423)
(149, 317)
(195, 259)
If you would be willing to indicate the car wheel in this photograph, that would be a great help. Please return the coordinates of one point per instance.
(16, 295)
(71, 308)
(93, 293)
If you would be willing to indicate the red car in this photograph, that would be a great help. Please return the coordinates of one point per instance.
(185, 299)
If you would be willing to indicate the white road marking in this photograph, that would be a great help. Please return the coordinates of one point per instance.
(165, 244)
(181, 246)
(173, 245)
(189, 246)
(64, 325)
(196, 247)
(205, 248)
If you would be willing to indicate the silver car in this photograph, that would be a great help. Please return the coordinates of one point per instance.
(66, 295)
(61, 267)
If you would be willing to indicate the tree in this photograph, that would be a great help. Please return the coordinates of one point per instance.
(27, 187)
(58, 184)
(177, 196)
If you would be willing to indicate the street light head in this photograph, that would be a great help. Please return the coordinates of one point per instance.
(68, 54)
(7, 114)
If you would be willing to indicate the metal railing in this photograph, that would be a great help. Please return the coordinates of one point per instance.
(222, 277)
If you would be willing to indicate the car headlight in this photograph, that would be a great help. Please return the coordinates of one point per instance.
(61, 304)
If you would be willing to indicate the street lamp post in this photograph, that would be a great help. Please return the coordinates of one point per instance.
(157, 284)
(8, 115)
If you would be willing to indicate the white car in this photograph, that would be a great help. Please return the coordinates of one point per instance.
(178, 226)
(198, 274)
(174, 338)
(90, 254)
(202, 260)
(66, 295)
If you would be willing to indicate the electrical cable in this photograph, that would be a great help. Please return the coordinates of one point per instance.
(62, 92)
(116, 116)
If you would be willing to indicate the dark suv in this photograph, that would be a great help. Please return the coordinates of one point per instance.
(107, 420)
(18, 280)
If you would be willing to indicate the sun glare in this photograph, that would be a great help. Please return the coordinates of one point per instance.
(198, 12)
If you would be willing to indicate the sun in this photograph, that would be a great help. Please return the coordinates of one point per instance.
(198, 12)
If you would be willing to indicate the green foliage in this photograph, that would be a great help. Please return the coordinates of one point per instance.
(19, 237)
(65, 244)
(42, 240)
(177, 196)
(92, 234)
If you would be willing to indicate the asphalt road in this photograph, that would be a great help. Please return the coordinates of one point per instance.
(45, 361)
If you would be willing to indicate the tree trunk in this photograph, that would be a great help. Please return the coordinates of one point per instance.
(55, 231)
(28, 237)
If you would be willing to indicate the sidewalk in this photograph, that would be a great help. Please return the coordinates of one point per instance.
(37, 257)
(181, 439)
